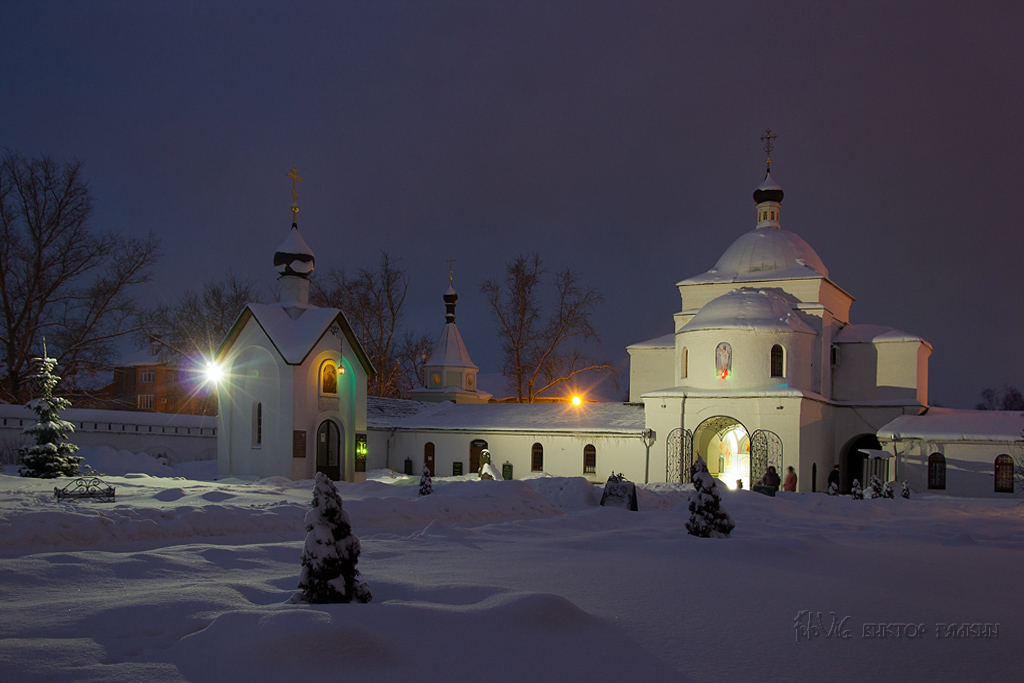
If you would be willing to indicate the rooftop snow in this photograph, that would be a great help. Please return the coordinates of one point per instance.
(293, 338)
(662, 342)
(589, 417)
(872, 334)
(951, 424)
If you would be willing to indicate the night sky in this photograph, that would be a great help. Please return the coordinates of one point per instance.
(618, 138)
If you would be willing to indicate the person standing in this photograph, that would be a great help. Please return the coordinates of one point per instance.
(790, 483)
(833, 477)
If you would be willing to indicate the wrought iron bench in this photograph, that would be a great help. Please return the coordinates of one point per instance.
(86, 487)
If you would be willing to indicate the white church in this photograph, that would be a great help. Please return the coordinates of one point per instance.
(763, 369)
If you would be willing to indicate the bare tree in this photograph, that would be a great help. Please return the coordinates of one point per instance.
(1009, 398)
(197, 323)
(372, 301)
(542, 352)
(58, 279)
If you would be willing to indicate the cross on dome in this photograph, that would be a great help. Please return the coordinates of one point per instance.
(768, 146)
(294, 175)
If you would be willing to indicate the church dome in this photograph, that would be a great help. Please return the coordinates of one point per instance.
(769, 253)
(294, 257)
(748, 309)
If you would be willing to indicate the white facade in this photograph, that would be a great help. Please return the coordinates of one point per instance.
(763, 350)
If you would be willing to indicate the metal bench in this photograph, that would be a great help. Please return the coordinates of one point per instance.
(92, 488)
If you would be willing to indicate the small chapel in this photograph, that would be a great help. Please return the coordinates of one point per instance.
(293, 393)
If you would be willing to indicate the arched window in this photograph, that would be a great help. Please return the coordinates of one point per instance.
(257, 424)
(682, 364)
(589, 459)
(1004, 474)
(537, 459)
(937, 471)
(328, 378)
(778, 362)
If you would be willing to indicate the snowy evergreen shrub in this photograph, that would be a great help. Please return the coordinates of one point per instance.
(707, 518)
(906, 490)
(331, 551)
(888, 492)
(833, 489)
(51, 456)
(856, 491)
(426, 487)
(876, 487)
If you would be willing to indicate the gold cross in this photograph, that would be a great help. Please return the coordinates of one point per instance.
(768, 146)
(294, 175)
(450, 269)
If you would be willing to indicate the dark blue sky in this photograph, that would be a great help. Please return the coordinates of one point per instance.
(619, 138)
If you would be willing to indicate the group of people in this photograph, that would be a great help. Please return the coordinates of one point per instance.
(771, 478)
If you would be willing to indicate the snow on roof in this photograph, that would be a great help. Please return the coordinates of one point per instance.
(872, 334)
(763, 254)
(662, 342)
(450, 350)
(381, 412)
(293, 338)
(294, 257)
(951, 424)
(749, 309)
(532, 417)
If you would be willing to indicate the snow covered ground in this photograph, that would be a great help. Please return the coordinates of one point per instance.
(189, 579)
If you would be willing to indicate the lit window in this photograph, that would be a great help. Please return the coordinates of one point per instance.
(778, 362)
(1004, 474)
(147, 376)
(537, 461)
(936, 471)
(328, 378)
(589, 459)
(145, 401)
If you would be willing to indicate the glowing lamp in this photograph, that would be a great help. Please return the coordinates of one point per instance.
(341, 369)
(724, 373)
(576, 400)
(214, 372)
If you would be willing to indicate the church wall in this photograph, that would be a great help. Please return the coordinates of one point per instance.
(970, 466)
(662, 415)
(253, 376)
(651, 368)
(881, 371)
(563, 452)
(751, 359)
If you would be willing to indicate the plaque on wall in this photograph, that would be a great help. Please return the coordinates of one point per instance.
(299, 443)
(329, 403)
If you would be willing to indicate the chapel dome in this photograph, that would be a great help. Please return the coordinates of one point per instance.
(294, 257)
(747, 308)
(764, 252)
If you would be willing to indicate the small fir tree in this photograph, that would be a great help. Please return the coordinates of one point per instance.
(833, 489)
(876, 487)
(425, 484)
(888, 491)
(856, 491)
(51, 456)
(906, 490)
(707, 518)
(331, 551)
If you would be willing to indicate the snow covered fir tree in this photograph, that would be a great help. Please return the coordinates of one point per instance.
(876, 487)
(426, 487)
(331, 551)
(707, 518)
(51, 456)
(856, 491)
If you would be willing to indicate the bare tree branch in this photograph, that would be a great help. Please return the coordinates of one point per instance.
(538, 357)
(58, 279)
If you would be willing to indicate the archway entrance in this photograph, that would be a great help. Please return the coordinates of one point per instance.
(724, 445)
(855, 462)
(475, 447)
(328, 450)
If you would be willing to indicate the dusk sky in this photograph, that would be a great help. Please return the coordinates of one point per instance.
(618, 138)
